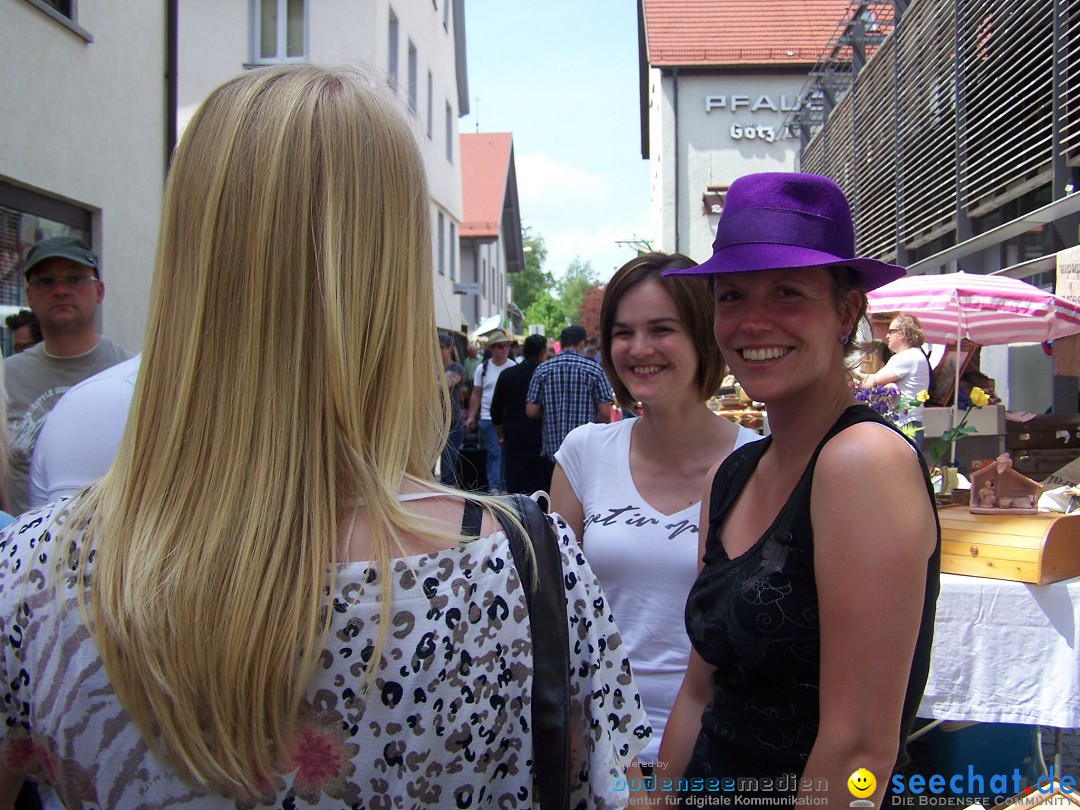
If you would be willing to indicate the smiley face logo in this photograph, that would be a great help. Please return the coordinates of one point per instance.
(861, 783)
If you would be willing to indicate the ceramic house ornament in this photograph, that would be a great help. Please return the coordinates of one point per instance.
(997, 488)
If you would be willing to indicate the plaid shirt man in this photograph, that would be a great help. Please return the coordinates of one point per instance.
(570, 390)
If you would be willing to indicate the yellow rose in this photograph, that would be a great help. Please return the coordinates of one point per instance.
(922, 396)
(979, 398)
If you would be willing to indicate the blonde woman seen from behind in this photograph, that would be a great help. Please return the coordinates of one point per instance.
(266, 599)
(631, 489)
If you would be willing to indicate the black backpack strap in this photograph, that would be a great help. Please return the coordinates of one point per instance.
(551, 652)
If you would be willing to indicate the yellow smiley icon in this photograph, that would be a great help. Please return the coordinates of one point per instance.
(861, 783)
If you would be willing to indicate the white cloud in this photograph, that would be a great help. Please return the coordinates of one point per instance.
(581, 213)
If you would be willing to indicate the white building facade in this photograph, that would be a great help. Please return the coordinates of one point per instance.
(83, 143)
(717, 87)
(705, 130)
(416, 46)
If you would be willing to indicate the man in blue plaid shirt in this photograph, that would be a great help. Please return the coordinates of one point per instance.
(568, 390)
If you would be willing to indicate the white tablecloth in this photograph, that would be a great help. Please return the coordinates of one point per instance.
(1005, 652)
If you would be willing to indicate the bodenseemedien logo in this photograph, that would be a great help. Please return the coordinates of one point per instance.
(861, 785)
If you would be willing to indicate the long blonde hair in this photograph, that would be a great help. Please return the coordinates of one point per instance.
(289, 371)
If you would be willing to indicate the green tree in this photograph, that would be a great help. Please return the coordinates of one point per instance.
(548, 311)
(578, 278)
(527, 285)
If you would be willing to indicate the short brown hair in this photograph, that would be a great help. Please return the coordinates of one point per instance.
(695, 306)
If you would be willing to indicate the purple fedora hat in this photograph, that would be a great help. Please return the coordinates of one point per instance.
(777, 220)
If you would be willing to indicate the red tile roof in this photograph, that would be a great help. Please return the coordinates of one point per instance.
(485, 165)
(683, 33)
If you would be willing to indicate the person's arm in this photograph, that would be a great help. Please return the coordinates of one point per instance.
(533, 409)
(695, 693)
(880, 377)
(474, 408)
(452, 377)
(565, 502)
(603, 412)
(889, 373)
(498, 405)
(871, 576)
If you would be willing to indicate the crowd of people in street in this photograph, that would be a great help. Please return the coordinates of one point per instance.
(251, 565)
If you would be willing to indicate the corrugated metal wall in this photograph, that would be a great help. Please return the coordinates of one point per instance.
(954, 113)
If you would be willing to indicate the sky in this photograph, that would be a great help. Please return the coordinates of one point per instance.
(562, 76)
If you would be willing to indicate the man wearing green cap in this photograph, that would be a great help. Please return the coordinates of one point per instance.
(63, 288)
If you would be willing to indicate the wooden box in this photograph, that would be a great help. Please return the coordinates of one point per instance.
(1044, 444)
(1039, 548)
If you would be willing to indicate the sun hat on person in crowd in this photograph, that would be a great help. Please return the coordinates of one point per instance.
(498, 336)
(60, 247)
(779, 220)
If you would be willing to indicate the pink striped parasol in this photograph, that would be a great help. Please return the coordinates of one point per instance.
(988, 310)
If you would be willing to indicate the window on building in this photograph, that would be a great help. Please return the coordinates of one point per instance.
(453, 251)
(392, 50)
(449, 133)
(65, 7)
(446, 14)
(412, 77)
(64, 12)
(430, 105)
(442, 244)
(483, 277)
(279, 30)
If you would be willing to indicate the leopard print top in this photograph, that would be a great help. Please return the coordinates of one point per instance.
(446, 724)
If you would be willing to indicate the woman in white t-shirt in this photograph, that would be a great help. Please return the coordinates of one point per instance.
(632, 489)
(908, 369)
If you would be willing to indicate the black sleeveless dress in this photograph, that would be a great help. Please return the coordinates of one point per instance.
(756, 619)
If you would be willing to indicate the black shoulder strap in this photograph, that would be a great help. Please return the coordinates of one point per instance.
(472, 519)
(551, 652)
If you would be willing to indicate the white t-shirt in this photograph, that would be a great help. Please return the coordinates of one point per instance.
(912, 370)
(489, 380)
(646, 561)
(81, 433)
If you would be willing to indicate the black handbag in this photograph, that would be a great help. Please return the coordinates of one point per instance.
(546, 601)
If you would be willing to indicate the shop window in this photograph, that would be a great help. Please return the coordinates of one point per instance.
(279, 30)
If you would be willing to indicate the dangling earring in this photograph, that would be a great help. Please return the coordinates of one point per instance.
(844, 340)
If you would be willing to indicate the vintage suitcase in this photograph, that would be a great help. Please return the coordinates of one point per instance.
(1039, 549)
(1044, 444)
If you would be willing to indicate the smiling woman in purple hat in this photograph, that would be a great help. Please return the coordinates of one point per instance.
(811, 631)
